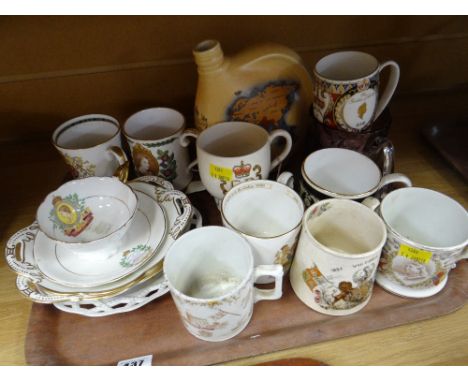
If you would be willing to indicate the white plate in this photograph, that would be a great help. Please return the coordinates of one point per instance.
(88, 269)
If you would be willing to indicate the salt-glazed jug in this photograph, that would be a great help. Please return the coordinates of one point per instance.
(266, 85)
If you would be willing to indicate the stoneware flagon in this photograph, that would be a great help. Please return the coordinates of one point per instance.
(267, 85)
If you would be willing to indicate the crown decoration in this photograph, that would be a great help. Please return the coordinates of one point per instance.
(242, 170)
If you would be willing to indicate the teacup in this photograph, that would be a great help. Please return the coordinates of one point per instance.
(427, 235)
(343, 174)
(230, 153)
(153, 136)
(88, 214)
(91, 146)
(268, 215)
(336, 260)
(346, 91)
(210, 272)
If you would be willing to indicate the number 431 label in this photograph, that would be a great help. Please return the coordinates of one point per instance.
(138, 361)
(419, 255)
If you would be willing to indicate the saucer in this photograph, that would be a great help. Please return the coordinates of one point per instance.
(33, 285)
(60, 264)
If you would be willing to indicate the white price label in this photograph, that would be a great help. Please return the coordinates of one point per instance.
(146, 360)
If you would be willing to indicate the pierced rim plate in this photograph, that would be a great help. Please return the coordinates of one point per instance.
(85, 269)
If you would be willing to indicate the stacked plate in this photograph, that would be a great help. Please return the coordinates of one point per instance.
(97, 282)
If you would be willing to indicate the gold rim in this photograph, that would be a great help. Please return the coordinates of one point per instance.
(263, 237)
(152, 272)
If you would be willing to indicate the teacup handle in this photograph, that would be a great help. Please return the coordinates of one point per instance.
(395, 178)
(371, 202)
(122, 170)
(275, 271)
(390, 88)
(276, 134)
(286, 178)
(184, 142)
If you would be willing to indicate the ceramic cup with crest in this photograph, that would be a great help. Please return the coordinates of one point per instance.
(211, 274)
(336, 260)
(153, 136)
(268, 215)
(91, 146)
(343, 174)
(230, 153)
(427, 235)
(346, 91)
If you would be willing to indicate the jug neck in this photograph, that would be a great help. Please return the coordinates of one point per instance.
(208, 56)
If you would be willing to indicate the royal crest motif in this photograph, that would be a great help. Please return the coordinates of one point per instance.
(70, 215)
(167, 164)
(242, 170)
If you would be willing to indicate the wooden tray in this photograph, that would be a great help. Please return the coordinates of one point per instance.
(58, 338)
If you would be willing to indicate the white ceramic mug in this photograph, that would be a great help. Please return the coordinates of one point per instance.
(230, 153)
(91, 146)
(336, 259)
(268, 215)
(346, 91)
(210, 272)
(342, 174)
(153, 136)
(427, 235)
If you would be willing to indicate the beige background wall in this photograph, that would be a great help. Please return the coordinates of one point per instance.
(55, 68)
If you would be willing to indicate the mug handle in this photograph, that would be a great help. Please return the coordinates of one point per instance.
(395, 178)
(184, 142)
(276, 134)
(275, 271)
(390, 88)
(386, 151)
(122, 170)
(371, 202)
(286, 178)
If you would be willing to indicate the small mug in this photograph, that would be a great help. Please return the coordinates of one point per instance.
(153, 136)
(91, 146)
(342, 174)
(427, 235)
(268, 215)
(230, 153)
(210, 273)
(346, 91)
(336, 260)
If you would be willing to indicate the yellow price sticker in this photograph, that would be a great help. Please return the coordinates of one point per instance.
(221, 173)
(415, 254)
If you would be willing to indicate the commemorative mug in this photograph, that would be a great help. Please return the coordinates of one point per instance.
(211, 274)
(153, 136)
(346, 91)
(268, 215)
(230, 153)
(427, 235)
(336, 259)
(343, 174)
(91, 146)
